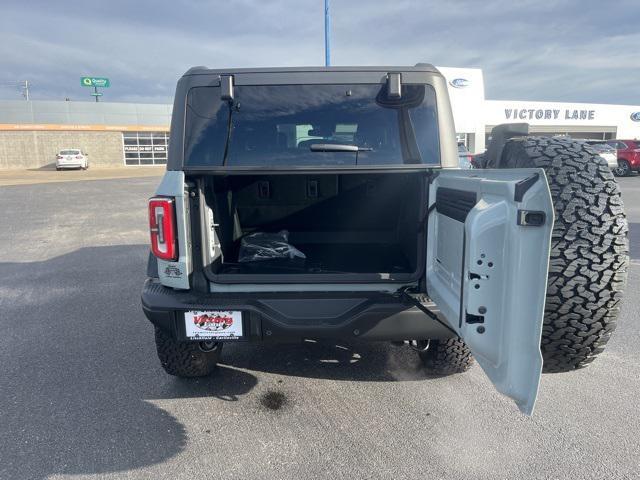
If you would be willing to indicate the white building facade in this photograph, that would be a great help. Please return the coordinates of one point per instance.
(475, 116)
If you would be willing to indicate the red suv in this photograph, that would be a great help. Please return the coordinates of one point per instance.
(628, 156)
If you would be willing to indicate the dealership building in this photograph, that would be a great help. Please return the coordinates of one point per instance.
(475, 116)
(112, 134)
(135, 134)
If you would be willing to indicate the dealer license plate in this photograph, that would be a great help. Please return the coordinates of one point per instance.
(213, 324)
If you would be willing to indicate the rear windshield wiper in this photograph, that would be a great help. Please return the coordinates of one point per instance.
(337, 147)
(232, 107)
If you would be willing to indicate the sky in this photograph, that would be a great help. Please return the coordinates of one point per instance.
(547, 50)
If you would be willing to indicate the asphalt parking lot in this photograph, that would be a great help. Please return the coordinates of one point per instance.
(82, 394)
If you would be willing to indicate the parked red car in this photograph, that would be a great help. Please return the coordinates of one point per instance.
(628, 156)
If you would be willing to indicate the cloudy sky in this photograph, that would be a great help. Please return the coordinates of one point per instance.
(563, 50)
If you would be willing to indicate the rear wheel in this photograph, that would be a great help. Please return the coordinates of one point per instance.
(624, 168)
(446, 357)
(186, 359)
(589, 248)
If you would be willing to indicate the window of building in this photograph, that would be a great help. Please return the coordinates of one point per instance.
(566, 133)
(145, 148)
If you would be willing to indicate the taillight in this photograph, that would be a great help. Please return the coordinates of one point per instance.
(78, 157)
(58, 157)
(162, 226)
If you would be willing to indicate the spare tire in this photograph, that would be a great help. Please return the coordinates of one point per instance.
(589, 248)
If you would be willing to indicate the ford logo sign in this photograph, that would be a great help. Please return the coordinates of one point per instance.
(459, 83)
(635, 116)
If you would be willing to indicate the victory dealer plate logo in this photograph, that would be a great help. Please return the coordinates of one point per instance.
(213, 324)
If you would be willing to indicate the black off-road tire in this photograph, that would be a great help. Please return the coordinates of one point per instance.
(446, 357)
(589, 248)
(624, 168)
(185, 359)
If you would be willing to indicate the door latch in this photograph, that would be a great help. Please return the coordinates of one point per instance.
(531, 218)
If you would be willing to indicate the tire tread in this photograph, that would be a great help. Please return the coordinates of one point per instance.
(184, 359)
(589, 249)
(447, 357)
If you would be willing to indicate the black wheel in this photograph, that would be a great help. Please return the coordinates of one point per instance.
(624, 168)
(446, 357)
(589, 248)
(186, 359)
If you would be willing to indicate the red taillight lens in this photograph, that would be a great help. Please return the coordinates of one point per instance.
(58, 157)
(162, 226)
(78, 157)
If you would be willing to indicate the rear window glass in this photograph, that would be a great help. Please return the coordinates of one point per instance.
(70, 152)
(312, 125)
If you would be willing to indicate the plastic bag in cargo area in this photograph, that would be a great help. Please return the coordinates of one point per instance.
(268, 246)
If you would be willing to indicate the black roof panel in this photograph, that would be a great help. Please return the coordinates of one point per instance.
(420, 67)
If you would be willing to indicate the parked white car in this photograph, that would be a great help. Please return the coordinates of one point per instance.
(607, 152)
(72, 158)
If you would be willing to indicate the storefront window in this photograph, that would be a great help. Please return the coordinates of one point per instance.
(145, 148)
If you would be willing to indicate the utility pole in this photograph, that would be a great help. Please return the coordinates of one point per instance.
(23, 84)
(327, 34)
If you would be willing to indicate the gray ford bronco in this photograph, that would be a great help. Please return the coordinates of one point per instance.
(326, 203)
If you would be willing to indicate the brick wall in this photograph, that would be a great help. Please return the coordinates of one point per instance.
(35, 149)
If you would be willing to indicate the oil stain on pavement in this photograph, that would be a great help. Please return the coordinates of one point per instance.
(273, 400)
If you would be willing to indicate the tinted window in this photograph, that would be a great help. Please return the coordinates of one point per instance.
(286, 125)
(70, 152)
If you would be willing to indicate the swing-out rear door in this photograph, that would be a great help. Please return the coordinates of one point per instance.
(487, 260)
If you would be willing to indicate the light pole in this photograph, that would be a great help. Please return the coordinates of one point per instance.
(327, 34)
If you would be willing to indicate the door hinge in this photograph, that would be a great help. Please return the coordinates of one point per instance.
(409, 298)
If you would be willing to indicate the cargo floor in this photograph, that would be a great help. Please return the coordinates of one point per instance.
(330, 258)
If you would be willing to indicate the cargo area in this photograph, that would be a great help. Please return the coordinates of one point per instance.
(347, 227)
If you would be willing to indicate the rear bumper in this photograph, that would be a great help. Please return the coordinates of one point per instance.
(294, 316)
(69, 165)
